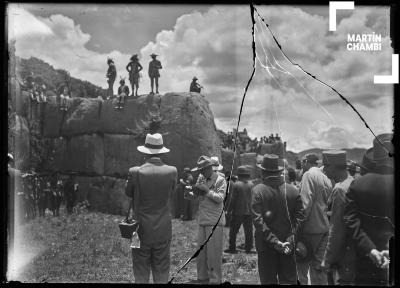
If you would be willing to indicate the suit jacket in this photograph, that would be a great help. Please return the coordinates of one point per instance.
(339, 248)
(240, 202)
(156, 182)
(369, 211)
(270, 215)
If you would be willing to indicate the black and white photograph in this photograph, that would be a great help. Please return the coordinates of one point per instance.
(246, 143)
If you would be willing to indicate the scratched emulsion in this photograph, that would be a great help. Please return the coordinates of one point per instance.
(253, 45)
(322, 82)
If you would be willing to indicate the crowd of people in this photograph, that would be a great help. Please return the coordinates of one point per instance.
(321, 226)
(244, 143)
(35, 192)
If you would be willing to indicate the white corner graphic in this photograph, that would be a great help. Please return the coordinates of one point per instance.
(390, 79)
(335, 5)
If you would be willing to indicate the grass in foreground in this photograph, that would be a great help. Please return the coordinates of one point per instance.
(87, 247)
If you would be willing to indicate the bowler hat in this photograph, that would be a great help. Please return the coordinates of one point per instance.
(334, 158)
(382, 151)
(270, 163)
(243, 170)
(153, 145)
(215, 163)
(203, 162)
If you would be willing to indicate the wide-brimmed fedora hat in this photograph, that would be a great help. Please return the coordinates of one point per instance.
(334, 158)
(311, 158)
(243, 170)
(110, 60)
(367, 162)
(203, 162)
(215, 163)
(153, 55)
(195, 78)
(153, 145)
(303, 251)
(135, 56)
(381, 152)
(270, 163)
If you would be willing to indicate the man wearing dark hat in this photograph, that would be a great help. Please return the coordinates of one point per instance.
(152, 185)
(240, 210)
(123, 92)
(210, 189)
(277, 210)
(310, 160)
(194, 86)
(339, 253)
(316, 187)
(369, 214)
(134, 68)
(154, 73)
(111, 75)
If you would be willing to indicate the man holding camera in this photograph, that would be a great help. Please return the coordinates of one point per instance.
(277, 210)
(210, 188)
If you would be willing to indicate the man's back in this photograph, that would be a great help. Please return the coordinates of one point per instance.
(241, 198)
(156, 181)
(315, 190)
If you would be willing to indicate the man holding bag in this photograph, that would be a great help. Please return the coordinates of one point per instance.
(152, 185)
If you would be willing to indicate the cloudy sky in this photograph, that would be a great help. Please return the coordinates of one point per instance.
(214, 44)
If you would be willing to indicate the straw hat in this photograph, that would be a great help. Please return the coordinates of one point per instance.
(153, 145)
(215, 163)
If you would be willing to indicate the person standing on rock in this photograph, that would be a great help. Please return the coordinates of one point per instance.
(64, 98)
(111, 75)
(240, 210)
(123, 92)
(70, 191)
(154, 73)
(210, 188)
(152, 185)
(187, 179)
(194, 86)
(134, 68)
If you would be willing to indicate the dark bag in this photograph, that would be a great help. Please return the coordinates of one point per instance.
(128, 226)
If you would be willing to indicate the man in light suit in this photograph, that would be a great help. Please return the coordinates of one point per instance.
(155, 182)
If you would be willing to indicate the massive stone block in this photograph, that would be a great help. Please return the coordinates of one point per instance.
(277, 148)
(250, 160)
(227, 158)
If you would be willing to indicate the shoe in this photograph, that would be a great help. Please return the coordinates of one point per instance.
(230, 251)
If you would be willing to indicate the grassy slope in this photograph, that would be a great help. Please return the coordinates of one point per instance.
(87, 247)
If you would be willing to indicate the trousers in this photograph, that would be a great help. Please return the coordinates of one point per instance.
(318, 243)
(276, 268)
(151, 256)
(209, 261)
(236, 222)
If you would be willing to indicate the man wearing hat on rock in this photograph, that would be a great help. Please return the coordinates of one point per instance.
(154, 183)
(277, 210)
(111, 76)
(134, 68)
(369, 214)
(210, 188)
(316, 186)
(154, 73)
(194, 86)
(123, 92)
(240, 210)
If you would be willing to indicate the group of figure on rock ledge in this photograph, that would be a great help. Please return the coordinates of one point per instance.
(244, 143)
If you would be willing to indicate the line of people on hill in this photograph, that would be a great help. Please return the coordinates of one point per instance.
(245, 144)
(332, 228)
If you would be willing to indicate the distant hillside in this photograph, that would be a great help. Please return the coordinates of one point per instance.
(54, 78)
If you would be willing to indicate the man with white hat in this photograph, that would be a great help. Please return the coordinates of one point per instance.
(369, 214)
(316, 186)
(152, 185)
(216, 166)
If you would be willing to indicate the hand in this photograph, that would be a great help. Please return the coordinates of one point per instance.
(203, 187)
(386, 259)
(283, 248)
(376, 257)
(324, 266)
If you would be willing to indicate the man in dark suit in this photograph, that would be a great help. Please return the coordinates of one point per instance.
(277, 210)
(240, 210)
(154, 183)
(369, 214)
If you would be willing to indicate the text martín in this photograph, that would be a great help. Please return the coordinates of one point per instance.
(364, 42)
